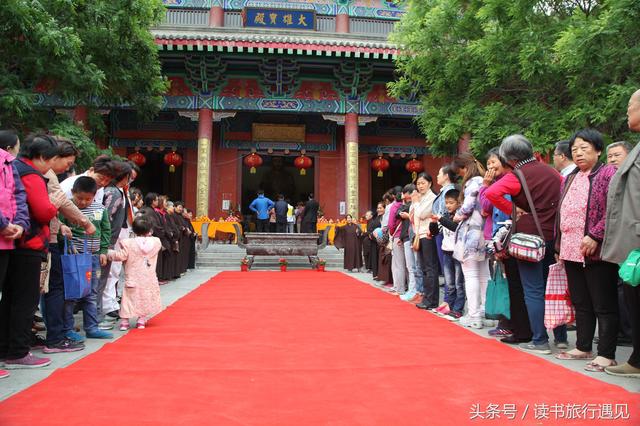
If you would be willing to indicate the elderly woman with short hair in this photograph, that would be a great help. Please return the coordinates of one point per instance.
(544, 185)
(580, 230)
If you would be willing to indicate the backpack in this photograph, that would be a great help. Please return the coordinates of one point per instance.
(630, 269)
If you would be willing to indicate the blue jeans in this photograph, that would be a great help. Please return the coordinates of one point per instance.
(534, 282)
(88, 304)
(454, 293)
(54, 305)
(419, 273)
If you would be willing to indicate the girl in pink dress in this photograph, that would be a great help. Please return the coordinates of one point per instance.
(141, 295)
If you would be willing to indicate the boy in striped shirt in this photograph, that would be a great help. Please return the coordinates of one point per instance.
(83, 193)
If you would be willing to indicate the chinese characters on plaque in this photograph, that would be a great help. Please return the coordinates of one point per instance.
(279, 18)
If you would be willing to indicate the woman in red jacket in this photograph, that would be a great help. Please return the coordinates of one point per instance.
(22, 288)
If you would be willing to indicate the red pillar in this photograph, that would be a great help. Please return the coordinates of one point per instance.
(81, 116)
(203, 174)
(342, 23)
(216, 16)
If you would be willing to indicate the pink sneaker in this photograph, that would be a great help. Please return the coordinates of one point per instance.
(124, 325)
(443, 309)
(4, 373)
(27, 361)
(141, 323)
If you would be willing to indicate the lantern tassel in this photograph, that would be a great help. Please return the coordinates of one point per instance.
(380, 174)
(414, 175)
(303, 172)
(252, 170)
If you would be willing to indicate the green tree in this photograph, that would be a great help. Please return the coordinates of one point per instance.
(84, 50)
(496, 67)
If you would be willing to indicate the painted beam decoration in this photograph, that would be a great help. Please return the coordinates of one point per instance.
(258, 17)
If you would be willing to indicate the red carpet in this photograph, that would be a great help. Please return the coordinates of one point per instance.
(306, 348)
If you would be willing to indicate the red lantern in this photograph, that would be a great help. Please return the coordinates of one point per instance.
(138, 158)
(380, 165)
(303, 163)
(414, 167)
(173, 160)
(253, 160)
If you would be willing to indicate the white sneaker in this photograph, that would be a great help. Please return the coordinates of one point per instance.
(466, 321)
(106, 325)
(489, 323)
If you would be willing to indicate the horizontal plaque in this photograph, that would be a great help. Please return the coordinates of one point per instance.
(258, 17)
(277, 132)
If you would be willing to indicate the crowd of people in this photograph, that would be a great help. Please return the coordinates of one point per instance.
(281, 217)
(583, 211)
(46, 213)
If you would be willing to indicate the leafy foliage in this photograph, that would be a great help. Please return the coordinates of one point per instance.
(78, 49)
(64, 127)
(543, 68)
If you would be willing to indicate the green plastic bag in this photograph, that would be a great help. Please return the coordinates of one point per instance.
(630, 269)
(498, 304)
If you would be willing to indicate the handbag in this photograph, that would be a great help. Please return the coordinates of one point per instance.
(523, 246)
(558, 309)
(415, 244)
(76, 272)
(498, 304)
(630, 269)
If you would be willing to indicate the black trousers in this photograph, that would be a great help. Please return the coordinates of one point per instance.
(632, 296)
(308, 228)
(594, 293)
(262, 225)
(54, 299)
(20, 296)
(519, 315)
(373, 256)
(429, 258)
(281, 227)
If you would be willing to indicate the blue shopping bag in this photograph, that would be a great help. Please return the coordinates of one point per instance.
(498, 304)
(76, 272)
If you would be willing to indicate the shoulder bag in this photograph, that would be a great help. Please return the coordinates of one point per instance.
(522, 246)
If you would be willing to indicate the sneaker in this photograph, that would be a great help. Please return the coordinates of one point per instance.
(65, 345)
(489, 322)
(37, 341)
(113, 314)
(72, 335)
(141, 324)
(106, 324)
(124, 325)
(453, 316)
(4, 373)
(27, 361)
(99, 334)
(561, 345)
(543, 349)
(443, 309)
(500, 332)
(408, 296)
(624, 370)
(471, 322)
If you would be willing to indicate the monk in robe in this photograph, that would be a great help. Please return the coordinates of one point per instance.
(349, 237)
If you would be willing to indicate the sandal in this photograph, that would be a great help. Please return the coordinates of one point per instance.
(594, 367)
(569, 356)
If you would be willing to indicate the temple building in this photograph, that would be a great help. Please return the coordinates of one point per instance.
(283, 96)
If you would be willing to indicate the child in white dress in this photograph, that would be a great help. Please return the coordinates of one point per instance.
(141, 294)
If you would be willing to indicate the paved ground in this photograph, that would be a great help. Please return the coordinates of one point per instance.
(21, 379)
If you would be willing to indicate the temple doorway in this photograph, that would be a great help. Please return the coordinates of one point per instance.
(156, 177)
(276, 175)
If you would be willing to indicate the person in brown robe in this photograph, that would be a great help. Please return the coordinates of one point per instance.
(185, 241)
(349, 237)
(193, 236)
(157, 220)
(175, 223)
